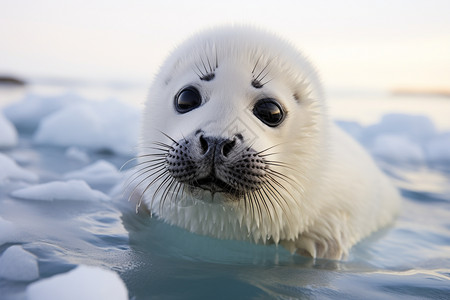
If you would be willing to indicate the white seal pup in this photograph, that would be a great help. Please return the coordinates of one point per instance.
(237, 144)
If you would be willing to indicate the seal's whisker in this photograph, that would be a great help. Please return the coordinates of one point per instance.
(279, 164)
(154, 154)
(150, 184)
(280, 175)
(264, 202)
(265, 67)
(294, 184)
(158, 149)
(263, 190)
(162, 144)
(200, 70)
(258, 207)
(138, 157)
(217, 58)
(266, 82)
(127, 162)
(166, 191)
(209, 64)
(158, 189)
(169, 137)
(256, 64)
(204, 66)
(198, 75)
(148, 176)
(274, 191)
(271, 176)
(276, 195)
(147, 163)
(179, 186)
(260, 153)
(253, 205)
(143, 180)
(263, 76)
(248, 209)
(133, 177)
(160, 159)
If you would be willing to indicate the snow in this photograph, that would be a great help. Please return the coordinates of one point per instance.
(100, 172)
(9, 170)
(72, 190)
(8, 232)
(83, 282)
(17, 264)
(8, 133)
(109, 125)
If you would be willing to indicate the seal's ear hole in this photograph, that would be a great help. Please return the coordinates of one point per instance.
(269, 111)
(187, 99)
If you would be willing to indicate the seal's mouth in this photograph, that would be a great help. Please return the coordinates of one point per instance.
(215, 185)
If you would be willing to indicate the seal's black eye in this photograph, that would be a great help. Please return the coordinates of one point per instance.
(187, 99)
(269, 111)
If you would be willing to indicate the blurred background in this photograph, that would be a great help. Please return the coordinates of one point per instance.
(362, 49)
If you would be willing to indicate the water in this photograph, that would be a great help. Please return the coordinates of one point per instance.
(410, 259)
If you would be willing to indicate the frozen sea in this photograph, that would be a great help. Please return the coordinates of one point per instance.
(66, 231)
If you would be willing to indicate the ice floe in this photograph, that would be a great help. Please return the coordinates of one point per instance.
(72, 190)
(27, 113)
(17, 264)
(8, 133)
(107, 125)
(402, 138)
(100, 172)
(83, 282)
(9, 170)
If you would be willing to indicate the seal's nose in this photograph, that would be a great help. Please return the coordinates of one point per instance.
(219, 147)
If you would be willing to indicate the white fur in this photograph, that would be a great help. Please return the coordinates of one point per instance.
(336, 194)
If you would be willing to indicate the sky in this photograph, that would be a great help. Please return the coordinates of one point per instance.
(354, 44)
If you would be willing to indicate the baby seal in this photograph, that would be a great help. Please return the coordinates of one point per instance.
(237, 144)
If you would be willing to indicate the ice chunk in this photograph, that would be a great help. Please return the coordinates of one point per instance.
(8, 232)
(17, 264)
(397, 148)
(8, 133)
(74, 190)
(109, 125)
(9, 170)
(438, 148)
(77, 154)
(27, 113)
(83, 282)
(101, 172)
(416, 127)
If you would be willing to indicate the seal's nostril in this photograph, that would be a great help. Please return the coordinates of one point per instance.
(203, 144)
(227, 147)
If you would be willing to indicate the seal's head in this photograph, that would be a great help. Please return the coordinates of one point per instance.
(233, 137)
